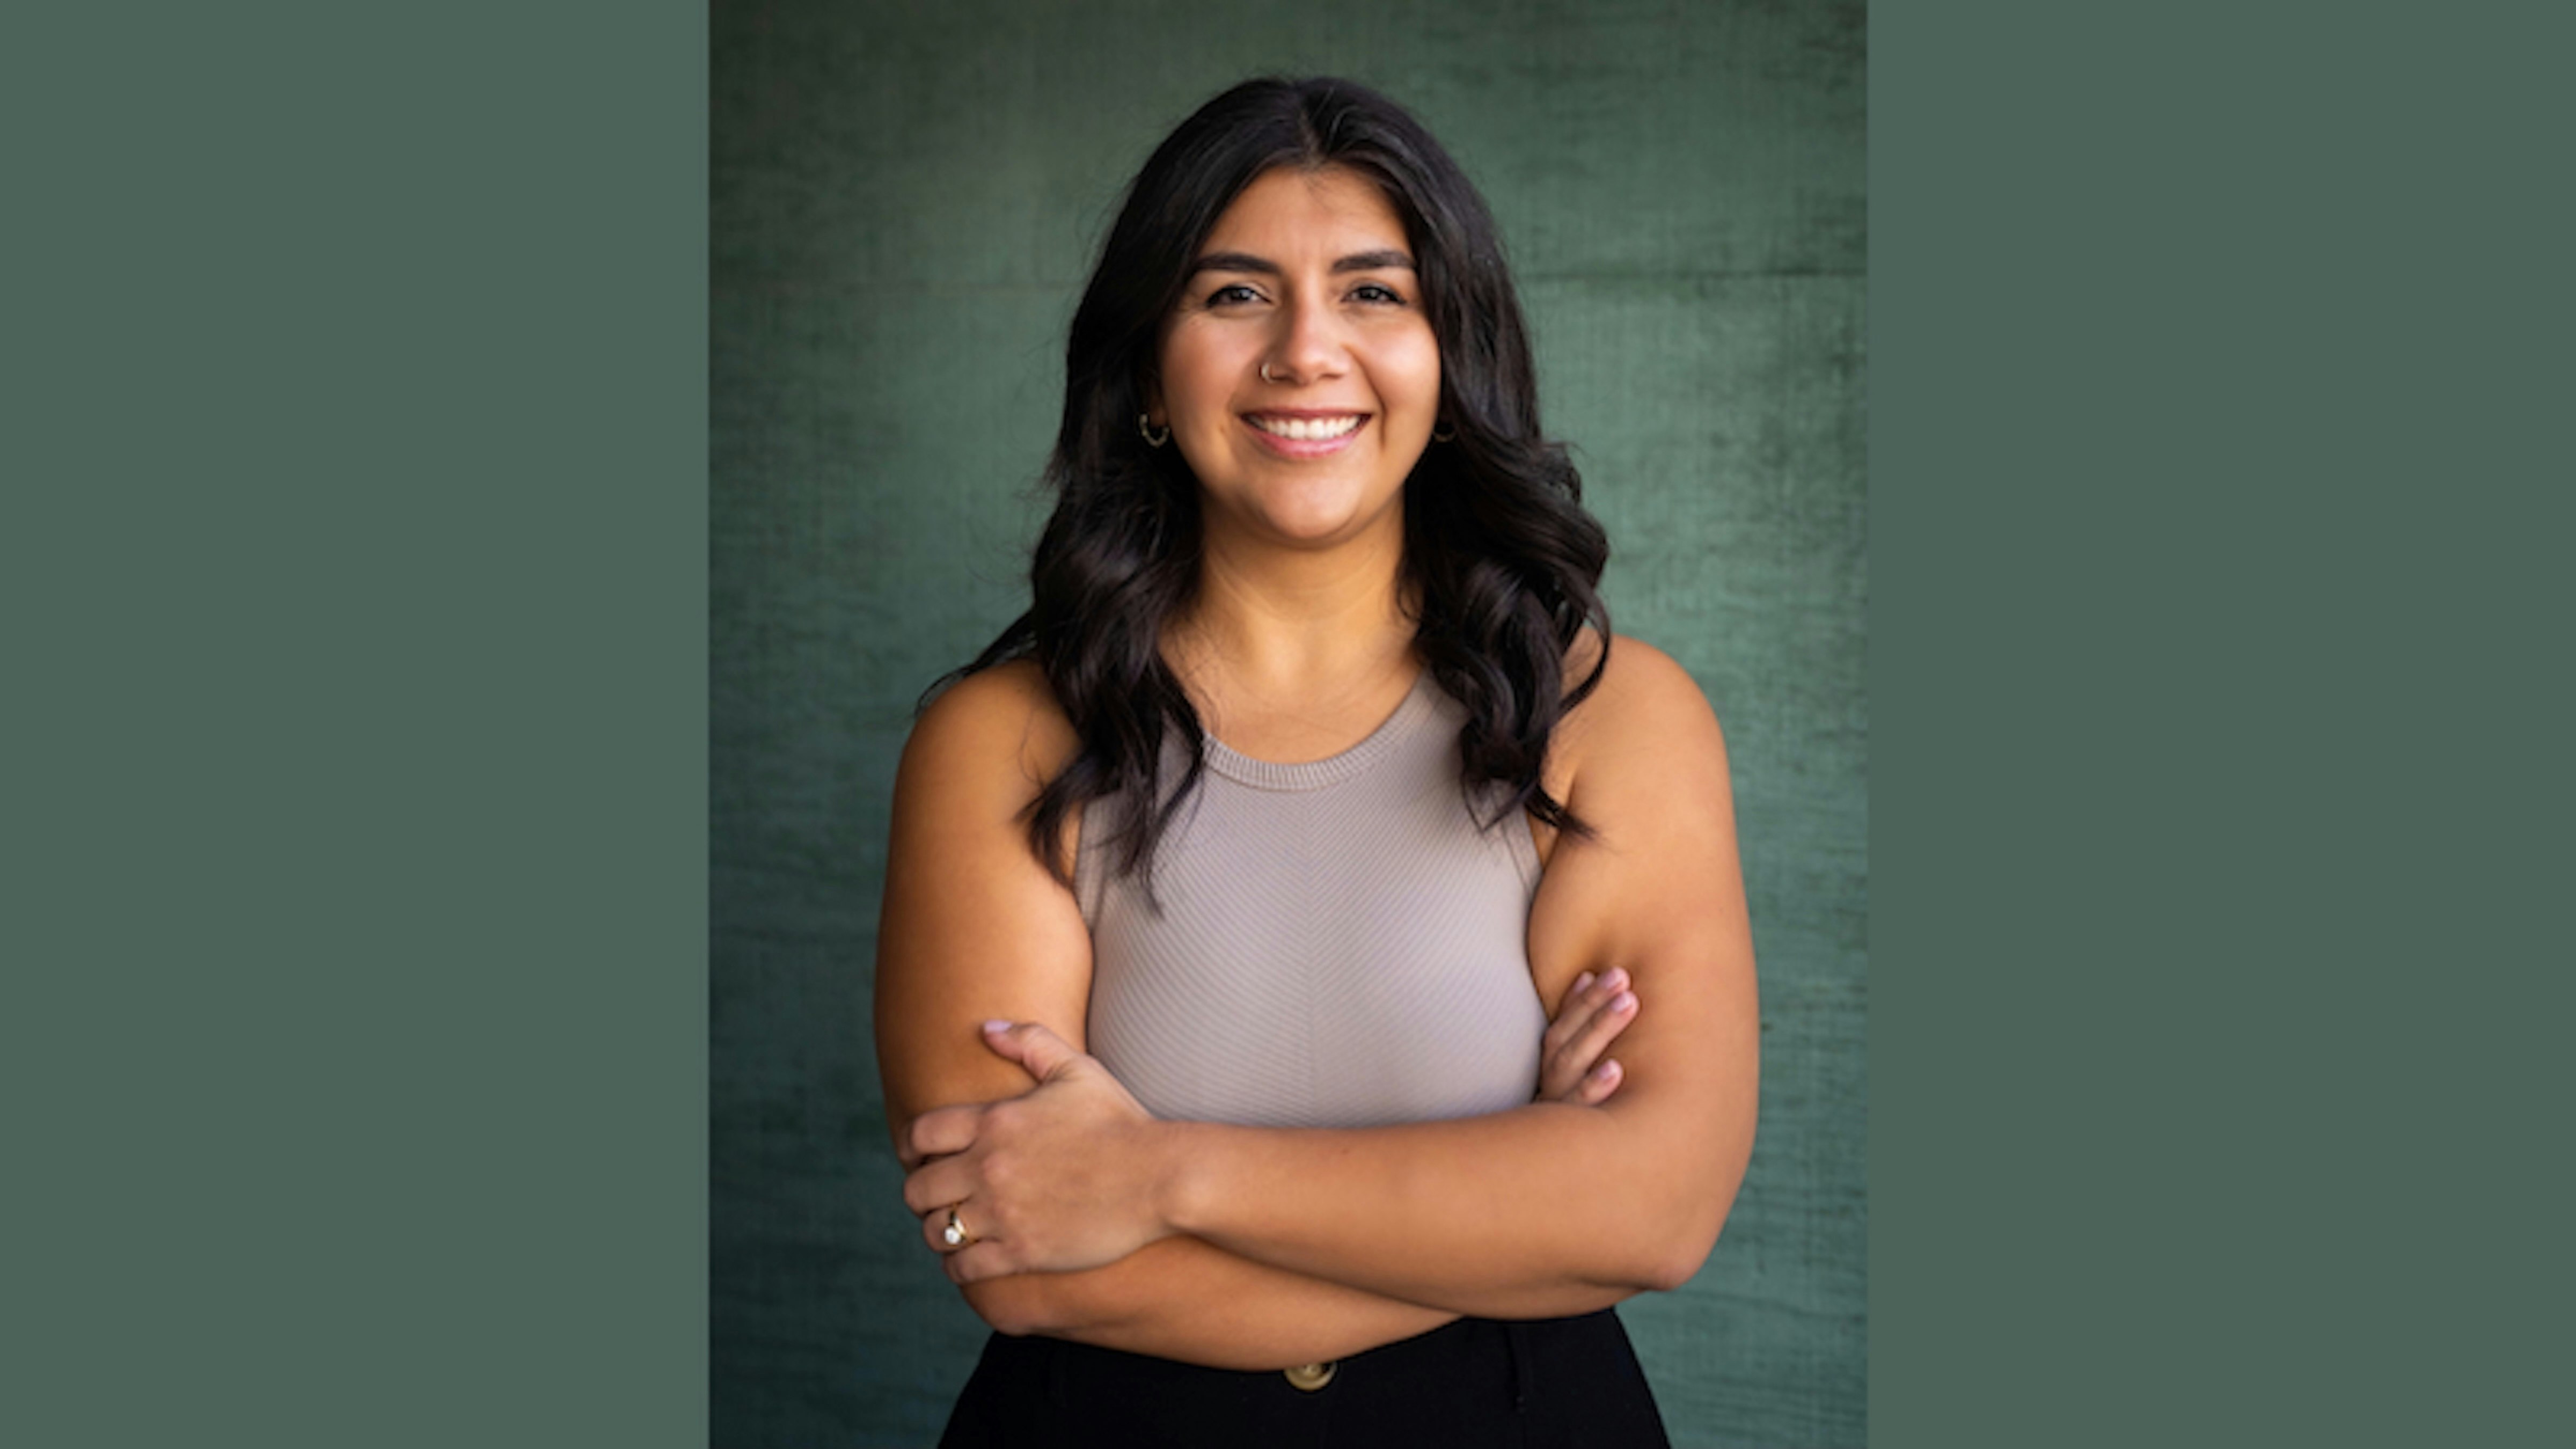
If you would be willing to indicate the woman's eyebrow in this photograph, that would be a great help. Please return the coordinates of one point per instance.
(1377, 261)
(1388, 259)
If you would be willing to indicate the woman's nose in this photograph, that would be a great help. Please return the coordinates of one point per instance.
(1311, 346)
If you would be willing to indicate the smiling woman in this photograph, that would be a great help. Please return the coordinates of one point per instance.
(1264, 904)
(1300, 377)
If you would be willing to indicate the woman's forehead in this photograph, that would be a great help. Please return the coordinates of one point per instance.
(1322, 208)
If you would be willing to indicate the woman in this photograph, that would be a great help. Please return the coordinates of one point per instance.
(1238, 881)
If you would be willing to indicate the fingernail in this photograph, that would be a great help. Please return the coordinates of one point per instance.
(1624, 1001)
(997, 1026)
(1602, 1072)
(1617, 980)
(1582, 981)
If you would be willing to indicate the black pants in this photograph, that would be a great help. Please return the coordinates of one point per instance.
(1550, 1383)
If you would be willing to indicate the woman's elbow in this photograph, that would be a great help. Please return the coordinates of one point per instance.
(1668, 1253)
(1679, 1262)
(1659, 1266)
(1681, 1238)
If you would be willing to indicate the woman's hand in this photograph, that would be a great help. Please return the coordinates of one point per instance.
(1571, 1066)
(1056, 1180)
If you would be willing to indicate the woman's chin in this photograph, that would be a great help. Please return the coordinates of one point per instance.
(1315, 529)
(1313, 518)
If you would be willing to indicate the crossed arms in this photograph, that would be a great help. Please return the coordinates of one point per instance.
(1259, 1248)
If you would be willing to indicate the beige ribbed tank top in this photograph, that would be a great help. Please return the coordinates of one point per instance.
(1339, 945)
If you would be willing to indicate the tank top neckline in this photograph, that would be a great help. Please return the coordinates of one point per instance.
(1409, 715)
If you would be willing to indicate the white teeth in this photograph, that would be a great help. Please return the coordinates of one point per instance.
(1307, 429)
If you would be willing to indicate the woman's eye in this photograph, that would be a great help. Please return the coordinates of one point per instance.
(1232, 293)
(1376, 292)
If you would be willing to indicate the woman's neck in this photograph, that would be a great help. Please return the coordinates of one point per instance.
(1282, 629)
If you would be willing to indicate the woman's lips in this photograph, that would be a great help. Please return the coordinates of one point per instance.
(1305, 434)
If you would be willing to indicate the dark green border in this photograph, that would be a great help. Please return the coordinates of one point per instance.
(356, 579)
(2213, 602)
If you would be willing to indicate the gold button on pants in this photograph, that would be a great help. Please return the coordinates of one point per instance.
(1310, 1376)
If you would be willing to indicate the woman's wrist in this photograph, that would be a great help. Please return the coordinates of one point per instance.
(1176, 1161)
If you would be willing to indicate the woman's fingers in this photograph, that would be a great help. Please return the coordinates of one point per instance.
(980, 1256)
(936, 1185)
(934, 1226)
(1060, 1175)
(1576, 1004)
(1040, 1052)
(1572, 1011)
(976, 1262)
(1585, 1052)
(1597, 1084)
(1558, 1072)
(1590, 1017)
(941, 1131)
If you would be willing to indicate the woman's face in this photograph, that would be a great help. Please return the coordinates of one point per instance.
(1307, 274)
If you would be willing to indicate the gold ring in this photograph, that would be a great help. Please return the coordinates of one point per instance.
(954, 1235)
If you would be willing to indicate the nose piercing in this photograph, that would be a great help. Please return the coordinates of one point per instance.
(1265, 373)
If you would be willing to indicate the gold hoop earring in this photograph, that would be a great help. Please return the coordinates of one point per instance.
(1145, 425)
(1438, 436)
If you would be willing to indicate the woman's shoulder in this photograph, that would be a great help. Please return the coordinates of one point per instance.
(1635, 675)
(1646, 704)
(998, 728)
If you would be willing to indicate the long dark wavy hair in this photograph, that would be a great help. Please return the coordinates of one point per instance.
(1498, 549)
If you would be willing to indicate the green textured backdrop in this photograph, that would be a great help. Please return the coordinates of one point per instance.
(905, 203)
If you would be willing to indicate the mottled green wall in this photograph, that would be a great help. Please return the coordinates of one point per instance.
(905, 204)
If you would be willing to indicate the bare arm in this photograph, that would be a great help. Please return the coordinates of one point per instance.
(1182, 1298)
(975, 928)
(1546, 1209)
